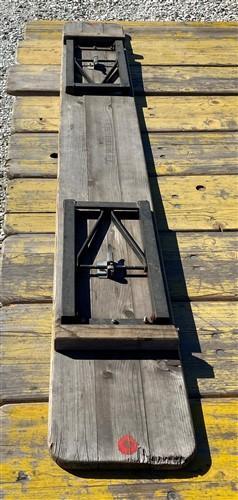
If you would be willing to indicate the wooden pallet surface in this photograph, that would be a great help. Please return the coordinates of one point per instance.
(30, 473)
(28, 266)
(36, 155)
(156, 113)
(190, 202)
(192, 142)
(150, 48)
(210, 361)
(150, 79)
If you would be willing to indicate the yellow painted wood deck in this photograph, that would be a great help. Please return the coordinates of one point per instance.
(189, 122)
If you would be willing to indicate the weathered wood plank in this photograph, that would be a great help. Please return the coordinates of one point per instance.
(188, 113)
(187, 202)
(191, 153)
(32, 114)
(183, 25)
(187, 29)
(24, 79)
(210, 51)
(207, 337)
(153, 50)
(111, 409)
(24, 450)
(39, 194)
(197, 202)
(214, 321)
(35, 155)
(35, 79)
(158, 113)
(27, 271)
(100, 337)
(22, 258)
(85, 28)
(184, 80)
(24, 223)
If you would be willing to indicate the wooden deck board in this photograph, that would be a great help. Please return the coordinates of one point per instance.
(151, 50)
(208, 348)
(27, 79)
(205, 202)
(27, 273)
(30, 473)
(44, 28)
(36, 155)
(157, 113)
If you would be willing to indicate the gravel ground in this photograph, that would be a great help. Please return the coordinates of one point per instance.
(15, 13)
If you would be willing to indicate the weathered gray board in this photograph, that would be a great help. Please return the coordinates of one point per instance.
(110, 410)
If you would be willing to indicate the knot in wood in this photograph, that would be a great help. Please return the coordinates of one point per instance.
(107, 374)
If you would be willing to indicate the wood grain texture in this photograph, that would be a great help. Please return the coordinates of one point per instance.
(151, 49)
(35, 155)
(36, 79)
(21, 195)
(214, 321)
(24, 223)
(22, 258)
(214, 327)
(27, 271)
(157, 113)
(187, 29)
(207, 337)
(188, 113)
(201, 202)
(88, 29)
(24, 450)
(93, 138)
(101, 337)
(106, 422)
(34, 115)
(191, 153)
(198, 202)
(203, 80)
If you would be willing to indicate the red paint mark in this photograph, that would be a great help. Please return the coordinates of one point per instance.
(127, 445)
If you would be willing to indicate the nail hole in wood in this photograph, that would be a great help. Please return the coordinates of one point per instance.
(220, 352)
(54, 155)
(200, 188)
(172, 495)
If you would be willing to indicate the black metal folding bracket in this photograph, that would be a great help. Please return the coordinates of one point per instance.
(86, 54)
(81, 246)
